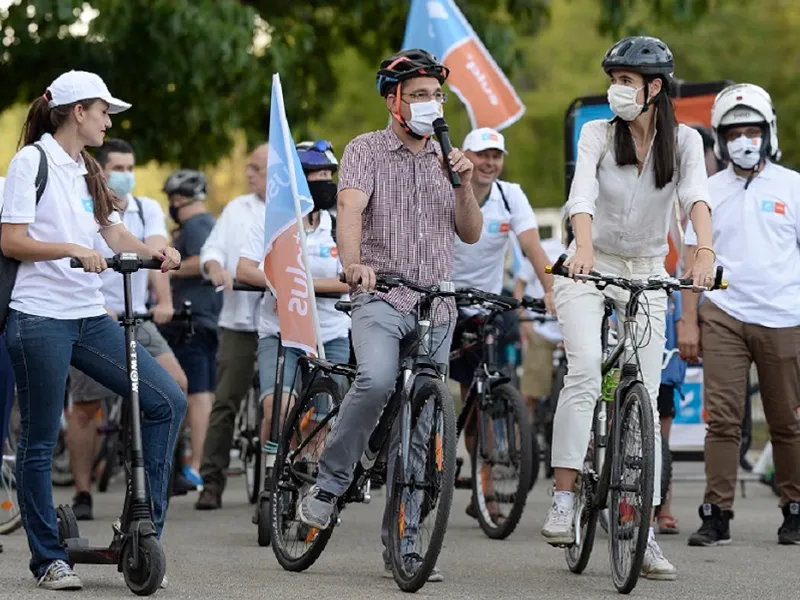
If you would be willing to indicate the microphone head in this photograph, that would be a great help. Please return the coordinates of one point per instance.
(440, 125)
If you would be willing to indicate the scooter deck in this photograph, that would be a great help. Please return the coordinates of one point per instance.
(81, 553)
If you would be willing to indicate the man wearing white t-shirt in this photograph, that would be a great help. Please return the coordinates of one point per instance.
(505, 210)
(756, 227)
(539, 339)
(238, 339)
(144, 218)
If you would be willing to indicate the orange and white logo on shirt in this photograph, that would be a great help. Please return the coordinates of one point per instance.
(773, 206)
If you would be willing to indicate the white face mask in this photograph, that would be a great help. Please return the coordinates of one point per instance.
(423, 114)
(745, 152)
(622, 100)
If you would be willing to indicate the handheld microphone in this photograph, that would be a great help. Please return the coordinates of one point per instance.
(442, 132)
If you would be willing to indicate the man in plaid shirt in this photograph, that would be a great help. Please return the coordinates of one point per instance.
(397, 214)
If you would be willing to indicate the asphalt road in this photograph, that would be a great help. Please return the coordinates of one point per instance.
(215, 555)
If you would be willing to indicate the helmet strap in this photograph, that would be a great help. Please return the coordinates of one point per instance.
(397, 115)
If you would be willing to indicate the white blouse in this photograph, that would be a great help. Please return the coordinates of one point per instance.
(631, 216)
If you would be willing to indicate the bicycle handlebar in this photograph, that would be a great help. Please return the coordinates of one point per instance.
(474, 297)
(384, 283)
(124, 262)
(637, 285)
(184, 314)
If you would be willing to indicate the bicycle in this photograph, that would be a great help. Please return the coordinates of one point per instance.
(503, 447)
(423, 473)
(134, 547)
(626, 471)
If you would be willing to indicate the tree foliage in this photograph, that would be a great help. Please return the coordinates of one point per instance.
(198, 71)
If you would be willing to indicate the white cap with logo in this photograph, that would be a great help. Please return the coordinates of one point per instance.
(484, 138)
(74, 86)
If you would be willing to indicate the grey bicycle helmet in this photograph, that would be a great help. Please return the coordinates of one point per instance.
(642, 54)
(188, 183)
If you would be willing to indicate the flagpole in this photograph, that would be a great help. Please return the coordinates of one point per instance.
(301, 230)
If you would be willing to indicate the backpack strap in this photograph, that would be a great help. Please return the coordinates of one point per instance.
(503, 196)
(141, 213)
(41, 174)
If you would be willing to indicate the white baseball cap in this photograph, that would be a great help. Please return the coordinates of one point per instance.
(75, 86)
(484, 138)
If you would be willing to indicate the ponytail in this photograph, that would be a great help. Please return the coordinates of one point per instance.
(105, 201)
(42, 119)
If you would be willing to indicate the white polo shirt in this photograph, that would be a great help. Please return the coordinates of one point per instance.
(324, 262)
(757, 241)
(2, 186)
(154, 224)
(480, 265)
(631, 215)
(64, 215)
(549, 330)
(224, 245)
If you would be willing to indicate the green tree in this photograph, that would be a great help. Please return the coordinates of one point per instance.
(198, 71)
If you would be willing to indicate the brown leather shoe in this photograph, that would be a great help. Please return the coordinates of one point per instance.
(208, 500)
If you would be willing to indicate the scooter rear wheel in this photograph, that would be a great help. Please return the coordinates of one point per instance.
(67, 523)
(146, 578)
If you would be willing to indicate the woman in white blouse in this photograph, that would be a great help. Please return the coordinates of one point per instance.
(627, 174)
(57, 316)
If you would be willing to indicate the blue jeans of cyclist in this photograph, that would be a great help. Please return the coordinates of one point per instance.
(42, 350)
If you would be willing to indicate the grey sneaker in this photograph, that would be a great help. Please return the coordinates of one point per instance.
(413, 562)
(655, 566)
(60, 576)
(559, 529)
(316, 508)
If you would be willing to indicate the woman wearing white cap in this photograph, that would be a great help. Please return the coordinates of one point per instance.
(56, 315)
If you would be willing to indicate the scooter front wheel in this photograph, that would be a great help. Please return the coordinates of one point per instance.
(145, 578)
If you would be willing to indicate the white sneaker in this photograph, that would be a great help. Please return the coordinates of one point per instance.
(164, 583)
(60, 576)
(559, 529)
(655, 566)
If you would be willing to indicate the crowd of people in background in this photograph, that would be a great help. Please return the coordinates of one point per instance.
(745, 217)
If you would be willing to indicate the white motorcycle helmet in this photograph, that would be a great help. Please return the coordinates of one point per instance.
(745, 104)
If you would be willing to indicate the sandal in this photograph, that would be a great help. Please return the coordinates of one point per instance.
(667, 524)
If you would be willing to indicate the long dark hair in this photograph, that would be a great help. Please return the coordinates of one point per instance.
(42, 119)
(664, 143)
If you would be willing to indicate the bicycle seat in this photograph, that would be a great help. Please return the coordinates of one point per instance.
(344, 306)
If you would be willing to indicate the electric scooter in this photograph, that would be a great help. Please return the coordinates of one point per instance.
(134, 548)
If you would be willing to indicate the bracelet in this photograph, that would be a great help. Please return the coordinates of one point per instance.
(709, 248)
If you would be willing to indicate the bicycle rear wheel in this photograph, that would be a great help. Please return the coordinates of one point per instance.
(296, 546)
(632, 484)
(10, 517)
(421, 492)
(502, 463)
(251, 448)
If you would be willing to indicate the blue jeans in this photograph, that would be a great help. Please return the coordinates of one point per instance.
(42, 350)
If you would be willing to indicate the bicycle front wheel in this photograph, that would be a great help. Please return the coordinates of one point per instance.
(421, 492)
(297, 546)
(632, 484)
(502, 462)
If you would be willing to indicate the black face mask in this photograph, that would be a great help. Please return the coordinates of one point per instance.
(323, 193)
(173, 213)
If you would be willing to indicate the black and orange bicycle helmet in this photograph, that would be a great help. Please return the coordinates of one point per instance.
(408, 64)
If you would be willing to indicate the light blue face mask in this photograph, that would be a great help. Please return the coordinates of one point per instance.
(121, 183)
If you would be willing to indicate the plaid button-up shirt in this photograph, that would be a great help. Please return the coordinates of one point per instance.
(409, 225)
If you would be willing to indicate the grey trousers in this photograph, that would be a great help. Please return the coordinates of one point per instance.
(381, 337)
